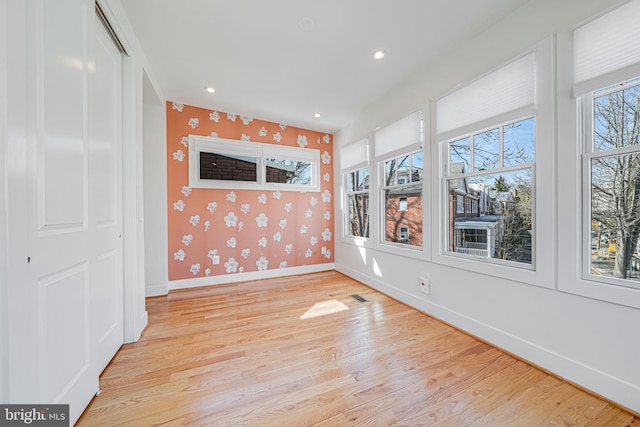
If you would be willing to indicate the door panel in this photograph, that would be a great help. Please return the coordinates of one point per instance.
(65, 331)
(61, 171)
(105, 194)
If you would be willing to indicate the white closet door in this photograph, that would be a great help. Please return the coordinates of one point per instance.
(69, 308)
(105, 196)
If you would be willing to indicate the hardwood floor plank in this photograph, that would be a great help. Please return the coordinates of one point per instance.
(244, 354)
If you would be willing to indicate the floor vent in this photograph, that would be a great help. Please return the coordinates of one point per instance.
(358, 298)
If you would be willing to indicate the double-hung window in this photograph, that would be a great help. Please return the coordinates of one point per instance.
(607, 83)
(399, 158)
(495, 205)
(354, 161)
(492, 165)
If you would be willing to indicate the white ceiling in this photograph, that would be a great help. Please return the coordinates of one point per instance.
(284, 60)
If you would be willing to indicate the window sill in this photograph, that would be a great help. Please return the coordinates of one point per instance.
(525, 273)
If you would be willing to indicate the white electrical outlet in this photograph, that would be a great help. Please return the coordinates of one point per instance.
(215, 259)
(324, 250)
(424, 284)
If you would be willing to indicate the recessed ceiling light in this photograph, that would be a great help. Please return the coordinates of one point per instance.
(378, 54)
(316, 115)
(210, 89)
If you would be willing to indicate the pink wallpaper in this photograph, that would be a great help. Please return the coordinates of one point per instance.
(249, 230)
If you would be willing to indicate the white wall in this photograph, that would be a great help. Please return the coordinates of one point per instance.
(590, 342)
(155, 192)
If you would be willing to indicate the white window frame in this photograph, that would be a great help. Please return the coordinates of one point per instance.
(383, 244)
(463, 204)
(589, 154)
(346, 221)
(407, 141)
(584, 68)
(352, 157)
(542, 271)
(261, 151)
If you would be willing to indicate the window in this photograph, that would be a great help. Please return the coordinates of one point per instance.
(223, 163)
(288, 171)
(501, 177)
(400, 174)
(402, 204)
(403, 234)
(354, 160)
(607, 83)
(357, 195)
(402, 195)
(612, 182)
(487, 134)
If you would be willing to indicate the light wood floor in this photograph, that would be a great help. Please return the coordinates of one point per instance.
(242, 355)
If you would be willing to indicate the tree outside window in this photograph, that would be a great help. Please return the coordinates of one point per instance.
(358, 203)
(614, 169)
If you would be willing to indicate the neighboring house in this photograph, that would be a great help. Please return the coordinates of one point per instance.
(403, 209)
(239, 168)
(403, 213)
(473, 222)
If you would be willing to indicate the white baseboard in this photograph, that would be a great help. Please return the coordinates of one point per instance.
(143, 322)
(252, 275)
(156, 290)
(615, 389)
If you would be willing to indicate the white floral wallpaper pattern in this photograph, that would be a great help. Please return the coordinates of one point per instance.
(216, 232)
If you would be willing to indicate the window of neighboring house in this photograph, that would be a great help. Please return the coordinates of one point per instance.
(612, 181)
(400, 170)
(490, 153)
(402, 195)
(403, 234)
(223, 163)
(354, 160)
(460, 204)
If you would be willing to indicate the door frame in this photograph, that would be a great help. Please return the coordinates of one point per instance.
(134, 310)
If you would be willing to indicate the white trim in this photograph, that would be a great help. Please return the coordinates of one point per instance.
(156, 290)
(616, 389)
(252, 275)
(258, 150)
